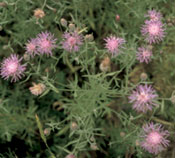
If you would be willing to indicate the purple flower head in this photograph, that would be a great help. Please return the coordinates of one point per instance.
(31, 47)
(72, 41)
(11, 67)
(154, 15)
(46, 43)
(154, 138)
(113, 44)
(153, 31)
(143, 98)
(144, 55)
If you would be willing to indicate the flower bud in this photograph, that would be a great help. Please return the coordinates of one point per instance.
(72, 27)
(122, 134)
(137, 143)
(73, 126)
(173, 99)
(47, 131)
(143, 76)
(63, 22)
(70, 156)
(39, 13)
(117, 18)
(94, 146)
(26, 57)
(3, 4)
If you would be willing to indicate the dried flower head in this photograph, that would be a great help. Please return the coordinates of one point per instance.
(154, 138)
(144, 55)
(46, 43)
(153, 31)
(105, 64)
(72, 41)
(11, 67)
(143, 98)
(113, 44)
(154, 15)
(39, 13)
(63, 22)
(31, 47)
(89, 37)
(37, 89)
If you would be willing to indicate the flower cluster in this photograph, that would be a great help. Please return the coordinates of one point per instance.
(44, 43)
(153, 29)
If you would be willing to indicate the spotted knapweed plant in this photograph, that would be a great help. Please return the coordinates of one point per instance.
(83, 79)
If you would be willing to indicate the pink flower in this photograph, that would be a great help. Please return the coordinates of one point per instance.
(154, 15)
(11, 67)
(143, 98)
(144, 55)
(153, 31)
(31, 47)
(46, 43)
(154, 138)
(72, 41)
(113, 44)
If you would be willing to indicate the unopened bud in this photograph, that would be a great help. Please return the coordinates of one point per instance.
(105, 65)
(143, 76)
(63, 22)
(137, 143)
(173, 99)
(70, 156)
(92, 139)
(26, 57)
(46, 70)
(5, 47)
(117, 18)
(72, 27)
(122, 134)
(3, 4)
(89, 37)
(74, 126)
(47, 131)
(39, 13)
(94, 146)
